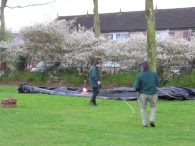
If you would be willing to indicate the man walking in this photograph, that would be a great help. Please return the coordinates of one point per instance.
(146, 83)
(94, 81)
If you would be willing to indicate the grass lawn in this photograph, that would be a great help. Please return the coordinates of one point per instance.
(51, 120)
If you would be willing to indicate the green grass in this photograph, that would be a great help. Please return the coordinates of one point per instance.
(71, 78)
(25, 77)
(120, 79)
(47, 120)
(187, 80)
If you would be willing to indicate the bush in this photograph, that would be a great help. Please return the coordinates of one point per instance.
(71, 78)
(20, 63)
(186, 80)
(25, 77)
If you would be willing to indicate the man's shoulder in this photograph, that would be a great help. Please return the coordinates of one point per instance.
(153, 71)
(148, 71)
(92, 67)
(140, 74)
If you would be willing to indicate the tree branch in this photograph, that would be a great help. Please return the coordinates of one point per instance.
(30, 5)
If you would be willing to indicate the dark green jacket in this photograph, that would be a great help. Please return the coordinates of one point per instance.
(146, 82)
(94, 76)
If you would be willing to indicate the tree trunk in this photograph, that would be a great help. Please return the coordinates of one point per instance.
(151, 28)
(3, 4)
(96, 25)
(4, 68)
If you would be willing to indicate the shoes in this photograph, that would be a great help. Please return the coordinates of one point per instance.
(152, 124)
(145, 125)
(93, 104)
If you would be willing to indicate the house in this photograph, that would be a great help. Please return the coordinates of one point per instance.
(179, 22)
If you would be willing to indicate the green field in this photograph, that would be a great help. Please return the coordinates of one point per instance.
(51, 120)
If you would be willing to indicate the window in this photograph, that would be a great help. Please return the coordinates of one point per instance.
(191, 33)
(124, 36)
(110, 36)
(118, 35)
(161, 32)
(111, 64)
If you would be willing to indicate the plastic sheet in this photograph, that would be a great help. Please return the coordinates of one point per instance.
(122, 93)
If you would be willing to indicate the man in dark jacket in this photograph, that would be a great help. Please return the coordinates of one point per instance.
(146, 83)
(94, 81)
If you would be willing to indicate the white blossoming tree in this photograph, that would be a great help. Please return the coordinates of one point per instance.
(171, 51)
(9, 52)
(78, 47)
(85, 49)
(47, 41)
(61, 40)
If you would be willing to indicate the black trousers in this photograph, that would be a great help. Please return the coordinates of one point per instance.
(95, 93)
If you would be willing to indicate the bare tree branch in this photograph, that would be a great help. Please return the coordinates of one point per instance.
(30, 5)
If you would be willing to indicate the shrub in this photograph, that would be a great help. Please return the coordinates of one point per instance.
(20, 63)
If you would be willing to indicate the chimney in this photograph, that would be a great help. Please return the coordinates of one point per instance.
(156, 10)
(120, 11)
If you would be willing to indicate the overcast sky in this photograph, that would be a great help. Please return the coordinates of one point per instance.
(20, 17)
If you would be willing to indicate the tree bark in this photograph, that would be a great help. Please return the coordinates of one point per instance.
(3, 5)
(4, 68)
(96, 25)
(151, 30)
(2, 31)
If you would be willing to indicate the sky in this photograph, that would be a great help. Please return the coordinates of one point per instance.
(21, 17)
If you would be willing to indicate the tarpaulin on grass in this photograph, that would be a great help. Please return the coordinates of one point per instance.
(121, 93)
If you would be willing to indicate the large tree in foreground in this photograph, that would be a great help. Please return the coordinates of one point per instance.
(2, 14)
(96, 25)
(3, 5)
(151, 28)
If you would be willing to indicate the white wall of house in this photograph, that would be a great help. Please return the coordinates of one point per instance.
(124, 35)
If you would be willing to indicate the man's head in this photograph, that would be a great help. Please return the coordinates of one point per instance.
(96, 63)
(145, 65)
